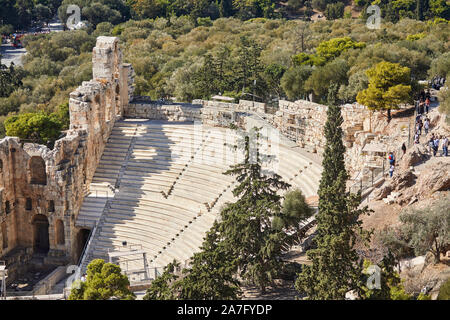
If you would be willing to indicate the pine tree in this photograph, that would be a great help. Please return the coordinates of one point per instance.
(246, 225)
(211, 275)
(163, 287)
(336, 268)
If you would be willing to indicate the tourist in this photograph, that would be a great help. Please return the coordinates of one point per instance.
(391, 170)
(435, 145)
(391, 158)
(445, 147)
(404, 148)
(427, 104)
(420, 125)
(416, 138)
(431, 143)
(421, 107)
(426, 125)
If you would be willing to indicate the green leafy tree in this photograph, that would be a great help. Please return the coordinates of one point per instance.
(322, 77)
(391, 287)
(248, 67)
(42, 13)
(37, 127)
(444, 291)
(293, 81)
(389, 86)
(428, 229)
(10, 79)
(272, 76)
(334, 11)
(332, 48)
(336, 268)
(104, 282)
(294, 209)
(206, 77)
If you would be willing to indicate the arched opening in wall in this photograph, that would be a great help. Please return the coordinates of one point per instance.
(4, 235)
(60, 238)
(41, 242)
(37, 171)
(1, 166)
(82, 239)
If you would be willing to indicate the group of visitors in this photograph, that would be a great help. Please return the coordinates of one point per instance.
(437, 82)
(421, 124)
(424, 102)
(391, 158)
(437, 142)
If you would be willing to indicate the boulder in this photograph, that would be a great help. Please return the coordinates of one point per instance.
(403, 180)
(437, 179)
(414, 156)
(383, 192)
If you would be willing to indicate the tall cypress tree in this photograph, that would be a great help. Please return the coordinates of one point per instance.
(336, 268)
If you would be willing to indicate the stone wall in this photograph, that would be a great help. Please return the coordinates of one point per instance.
(38, 184)
(303, 121)
(144, 108)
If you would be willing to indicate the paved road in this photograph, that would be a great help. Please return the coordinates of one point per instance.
(11, 54)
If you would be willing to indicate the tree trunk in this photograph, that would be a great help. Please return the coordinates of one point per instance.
(389, 115)
(437, 257)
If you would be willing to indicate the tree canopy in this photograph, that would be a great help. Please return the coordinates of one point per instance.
(389, 86)
(104, 282)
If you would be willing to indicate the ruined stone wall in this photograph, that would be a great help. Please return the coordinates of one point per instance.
(38, 183)
(304, 120)
(144, 108)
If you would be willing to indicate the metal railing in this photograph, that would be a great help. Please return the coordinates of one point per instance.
(97, 226)
(87, 245)
(368, 177)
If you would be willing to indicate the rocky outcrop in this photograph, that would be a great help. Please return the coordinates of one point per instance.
(414, 156)
(398, 183)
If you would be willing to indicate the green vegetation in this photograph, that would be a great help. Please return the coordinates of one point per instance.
(389, 86)
(104, 282)
(173, 57)
(39, 127)
(336, 268)
(444, 291)
(422, 230)
(391, 287)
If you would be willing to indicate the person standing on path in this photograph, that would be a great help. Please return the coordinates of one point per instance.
(445, 147)
(435, 145)
(391, 171)
(426, 125)
(427, 104)
(431, 143)
(391, 158)
(404, 148)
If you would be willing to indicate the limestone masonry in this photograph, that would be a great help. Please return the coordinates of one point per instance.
(43, 189)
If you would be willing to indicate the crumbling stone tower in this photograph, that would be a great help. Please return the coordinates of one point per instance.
(41, 190)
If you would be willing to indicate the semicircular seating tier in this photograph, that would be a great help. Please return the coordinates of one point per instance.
(160, 186)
